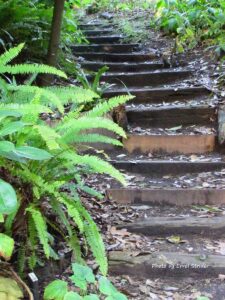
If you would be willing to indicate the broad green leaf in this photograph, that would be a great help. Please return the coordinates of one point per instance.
(56, 290)
(6, 246)
(9, 289)
(8, 199)
(106, 287)
(6, 146)
(72, 296)
(12, 127)
(32, 153)
(202, 298)
(91, 297)
(82, 276)
(1, 218)
(116, 296)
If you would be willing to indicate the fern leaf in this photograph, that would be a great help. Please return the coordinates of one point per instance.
(73, 127)
(41, 229)
(73, 94)
(49, 136)
(96, 164)
(94, 240)
(31, 69)
(94, 138)
(73, 213)
(10, 54)
(103, 108)
(75, 246)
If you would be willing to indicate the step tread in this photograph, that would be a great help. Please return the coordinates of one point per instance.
(213, 226)
(165, 264)
(167, 196)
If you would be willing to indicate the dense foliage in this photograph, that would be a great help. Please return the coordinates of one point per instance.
(193, 21)
(40, 159)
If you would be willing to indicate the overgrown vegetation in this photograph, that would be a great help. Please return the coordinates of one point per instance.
(193, 22)
(41, 161)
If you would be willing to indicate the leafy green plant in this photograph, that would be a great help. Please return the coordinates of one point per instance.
(41, 158)
(84, 281)
(192, 21)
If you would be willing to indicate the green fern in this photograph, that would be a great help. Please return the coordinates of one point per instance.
(101, 109)
(41, 229)
(94, 138)
(9, 55)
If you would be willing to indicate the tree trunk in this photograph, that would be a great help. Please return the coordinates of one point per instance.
(54, 39)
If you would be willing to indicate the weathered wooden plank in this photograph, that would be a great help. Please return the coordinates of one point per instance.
(166, 264)
(98, 32)
(166, 196)
(115, 48)
(185, 144)
(117, 57)
(221, 124)
(213, 226)
(170, 116)
(159, 95)
(163, 167)
(146, 78)
(123, 67)
(104, 39)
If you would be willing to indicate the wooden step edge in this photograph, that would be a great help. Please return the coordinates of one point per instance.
(166, 196)
(166, 264)
(154, 226)
(184, 144)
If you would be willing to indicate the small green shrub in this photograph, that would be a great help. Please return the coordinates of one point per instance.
(83, 280)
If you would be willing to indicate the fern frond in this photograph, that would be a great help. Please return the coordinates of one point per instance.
(26, 93)
(102, 108)
(22, 109)
(31, 69)
(73, 127)
(10, 54)
(41, 229)
(94, 239)
(49, 136)
(94, 138)
(96, 164)
(75, 246)
(74, 94)
(73, 212)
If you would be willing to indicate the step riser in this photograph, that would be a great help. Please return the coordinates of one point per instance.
(123, 68)
(163, 168)
(183, 144)
(166, 226)
(159, 96)
(172, 197)
(97, 32)
(171, 117)
(152, 79)
(115, 48)
(162, 264)
(107, 57)
(95, 27)
(104, 40)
